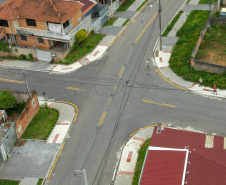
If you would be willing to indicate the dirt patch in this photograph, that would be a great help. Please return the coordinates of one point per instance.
(20, 143)
(215, 57)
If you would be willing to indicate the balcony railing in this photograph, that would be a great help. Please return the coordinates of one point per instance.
(42, 33)
(69, 28)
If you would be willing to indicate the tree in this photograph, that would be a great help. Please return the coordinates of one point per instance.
(81, 35)
(4, 47)
(7, 100)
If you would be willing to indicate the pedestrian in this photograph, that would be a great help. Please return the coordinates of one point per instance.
(215, 89)
(34, 46)
(200, 81)
(147, 64)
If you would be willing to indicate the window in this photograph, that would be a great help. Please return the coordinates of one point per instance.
(4, 23)
(40, 40)
(66, 24)
(31, 22)
(23, 37)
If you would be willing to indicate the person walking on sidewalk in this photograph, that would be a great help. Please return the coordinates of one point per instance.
(200, 81)
(215, 89)
(147, 64)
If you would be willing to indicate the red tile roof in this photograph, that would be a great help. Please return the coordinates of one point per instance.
(87, 5)
(58, 11)
(207, 166)
(163, 167)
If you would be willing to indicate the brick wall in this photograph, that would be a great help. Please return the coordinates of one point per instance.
(32, 107)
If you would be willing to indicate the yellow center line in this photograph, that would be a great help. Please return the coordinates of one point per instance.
(76, 108)
(76, 89)
(102, 118)
(109, 101)
(8, 80)
(142, 32)
(121, 71)
(157, 103)
(114, 89)
(56, 161)
(169, 81)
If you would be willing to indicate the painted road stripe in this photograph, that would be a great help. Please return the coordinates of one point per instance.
(138, 139)
(169, 81)
(66, 68)
(56, 161)
(81, 62)
(109, 101)
(121, 71)
(51, 104)
(114, 89)
(76, 89)
(55, 138)
(102, 118)
(129, 156)
(191, 85)
(157, 103)
(96, 53)
(53, 67)
(62, 124)
(8, 80)
(76, 108)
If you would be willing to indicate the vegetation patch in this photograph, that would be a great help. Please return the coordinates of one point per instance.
(39, 181)
(18, 108)
(180, 58)
(170, 26)
(9, 182)
(125, 22)
(110, 22)
(207, 1)
(42, 124)
(79, 50)
(140, 161)
(213, 48)
(142, 5)
(125, 5)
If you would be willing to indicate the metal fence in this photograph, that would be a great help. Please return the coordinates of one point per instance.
(113, 7)
(104, 16)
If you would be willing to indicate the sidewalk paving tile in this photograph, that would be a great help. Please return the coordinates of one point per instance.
(29, 181)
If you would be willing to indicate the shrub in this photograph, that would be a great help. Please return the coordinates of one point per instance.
(66, 61)
(22, 57)
(4, 47)
(7, 100)
(80, 35)
(30, 56)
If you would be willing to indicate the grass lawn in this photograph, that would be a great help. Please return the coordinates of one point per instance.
(39, 181)
(213, 47)
(42, 124)
(188, 37)
(125, 5)
(170, 26)
(85, 47)
(140, 161)
(9, 182)
(110, 22)
(207, 1)
(125, 22)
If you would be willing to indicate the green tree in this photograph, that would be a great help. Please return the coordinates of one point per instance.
(7, 100)
(80, 35)
(4, 47)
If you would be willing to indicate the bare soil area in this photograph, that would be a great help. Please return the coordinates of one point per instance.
(214, 56)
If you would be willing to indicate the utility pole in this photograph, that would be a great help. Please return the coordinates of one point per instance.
(210, 16)
(81, 173)
(160, 41)
(27, 85)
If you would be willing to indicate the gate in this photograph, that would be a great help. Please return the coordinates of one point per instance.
(44, 55)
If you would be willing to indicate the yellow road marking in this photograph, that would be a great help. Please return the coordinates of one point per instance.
(102, 118)
(121, 71)
(114, 89)
(73, 106)
(8, 80)
(56, 161)
(170, 81)
(145, 128)
(109, 101)
(157, 103)
(76, 89)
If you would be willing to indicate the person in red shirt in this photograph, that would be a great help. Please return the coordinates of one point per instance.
(215, 89)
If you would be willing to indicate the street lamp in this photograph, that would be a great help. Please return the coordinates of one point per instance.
(81, 173)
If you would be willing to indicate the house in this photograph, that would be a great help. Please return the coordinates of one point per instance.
(178, 157)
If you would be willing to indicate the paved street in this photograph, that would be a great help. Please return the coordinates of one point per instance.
(111, 108)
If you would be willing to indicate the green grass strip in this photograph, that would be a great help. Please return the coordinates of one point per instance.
(125, 5)
(180, 59)
(207, 1)
(142, 5)
(9, 182)
(125, 22)
(80, 50)
(42, 124)
(188, 1)
(170, 26)
(39, 181)
(140, 161)
(110, 22)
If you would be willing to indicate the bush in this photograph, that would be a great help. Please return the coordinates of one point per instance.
(7, 100)
(30, 56)
(80, 35)
(4, 47)
(22, 57)
(66, 61)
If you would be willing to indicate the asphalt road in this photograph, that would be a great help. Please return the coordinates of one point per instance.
(141, 98)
